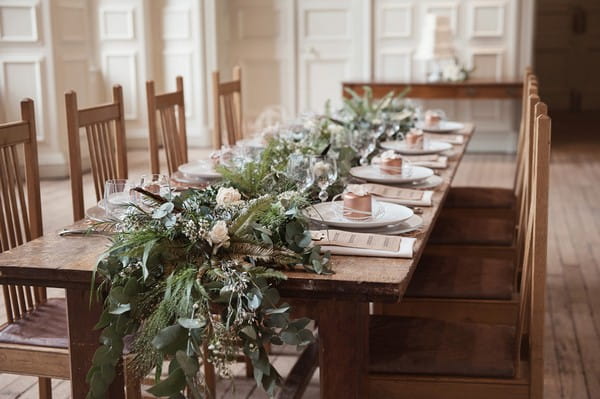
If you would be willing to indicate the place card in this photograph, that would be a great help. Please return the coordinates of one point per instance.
(447, 138)
(423, 158)
(394, 192)
(378, 242)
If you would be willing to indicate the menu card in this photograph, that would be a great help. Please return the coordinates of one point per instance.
(448, 138)
(394, 192)
(341, 238)
(423, 158)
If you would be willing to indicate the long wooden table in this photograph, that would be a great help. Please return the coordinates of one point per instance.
(342, 299)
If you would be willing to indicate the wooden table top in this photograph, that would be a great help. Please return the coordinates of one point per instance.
(64, 262)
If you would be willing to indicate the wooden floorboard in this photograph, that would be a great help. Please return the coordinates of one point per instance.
(572, 344)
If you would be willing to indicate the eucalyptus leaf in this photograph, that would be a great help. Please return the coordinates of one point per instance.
(171, 385)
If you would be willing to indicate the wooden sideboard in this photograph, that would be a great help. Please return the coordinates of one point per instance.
(469, 89)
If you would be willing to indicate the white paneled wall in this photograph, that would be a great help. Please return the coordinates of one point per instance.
(294, 53)
(297, 53)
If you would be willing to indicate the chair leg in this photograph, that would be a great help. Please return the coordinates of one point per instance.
(133, 389)
(249, 368)
(44, 388)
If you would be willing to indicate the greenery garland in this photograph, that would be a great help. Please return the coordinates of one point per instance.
(193, 282)
(192, 279)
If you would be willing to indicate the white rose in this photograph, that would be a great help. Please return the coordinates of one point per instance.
(228, 195)
(336, 129)
(219, 233)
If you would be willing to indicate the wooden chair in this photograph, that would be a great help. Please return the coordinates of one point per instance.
(27, 342)
(106, 144)
(493, 211)
(34, 340)
(416, 357)
(227, 101)
(472, 282)
(171, 109)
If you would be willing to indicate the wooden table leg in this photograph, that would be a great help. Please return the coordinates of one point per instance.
(343, 349)
(83, 342)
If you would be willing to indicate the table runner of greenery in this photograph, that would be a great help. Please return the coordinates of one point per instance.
(193, 278)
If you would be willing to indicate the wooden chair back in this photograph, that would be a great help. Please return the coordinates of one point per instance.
(526, 170)
(105, 130)
(227, 101)
(20, 204)
(171, 110)
(530, 323)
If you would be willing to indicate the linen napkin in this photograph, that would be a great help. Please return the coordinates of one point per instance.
(340, 242)
(434, 161)
(447, 138)
(397, 195)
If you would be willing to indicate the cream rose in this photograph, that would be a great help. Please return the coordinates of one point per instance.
(219, 234)
(227, 196)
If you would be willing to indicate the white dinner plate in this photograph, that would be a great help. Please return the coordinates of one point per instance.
(442, 127)
(199, 170)
(330, 213)
(406, 226)
(429, 147)
(96, 214)
(373, 173)
(428, 183)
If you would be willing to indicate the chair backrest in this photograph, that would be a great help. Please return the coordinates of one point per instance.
(528, 79)
(523, 195)
(227, 102)
(530, 323)
(105, 130)
(171, 109)
(20, 204)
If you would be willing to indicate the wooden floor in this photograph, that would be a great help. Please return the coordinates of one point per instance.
(572, 344)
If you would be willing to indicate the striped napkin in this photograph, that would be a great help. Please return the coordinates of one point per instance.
(339, 242)
(397, 195)
(447, 138)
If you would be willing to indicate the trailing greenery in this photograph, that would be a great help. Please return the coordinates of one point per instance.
(175, 261)
(193, 279)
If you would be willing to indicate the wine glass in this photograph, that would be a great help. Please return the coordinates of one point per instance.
(323, 170)
(364, 142)
(298, 170)
(156, 184)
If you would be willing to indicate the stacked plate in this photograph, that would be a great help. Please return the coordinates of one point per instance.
(196, 172)
(442, 127)
(429, 147)
(387, 218)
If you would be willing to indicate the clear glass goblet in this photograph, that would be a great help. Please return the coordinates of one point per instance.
(324, 173)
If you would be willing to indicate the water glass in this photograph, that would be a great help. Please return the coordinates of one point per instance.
(118, 195)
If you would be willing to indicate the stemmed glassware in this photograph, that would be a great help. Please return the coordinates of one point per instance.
(298, 170)
(323, 170)
(364, 142)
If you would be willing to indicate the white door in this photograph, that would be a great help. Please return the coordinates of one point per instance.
(261, 41)
(331, 48)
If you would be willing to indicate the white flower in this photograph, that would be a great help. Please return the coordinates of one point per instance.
(336, 129)
(321, 168)
(227, 196)
(390, 154)
(310, 124)
(219, 234)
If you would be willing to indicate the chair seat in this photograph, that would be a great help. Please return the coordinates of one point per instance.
(45, 326)
(462, 278)
(480, 197)
(410, 345)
